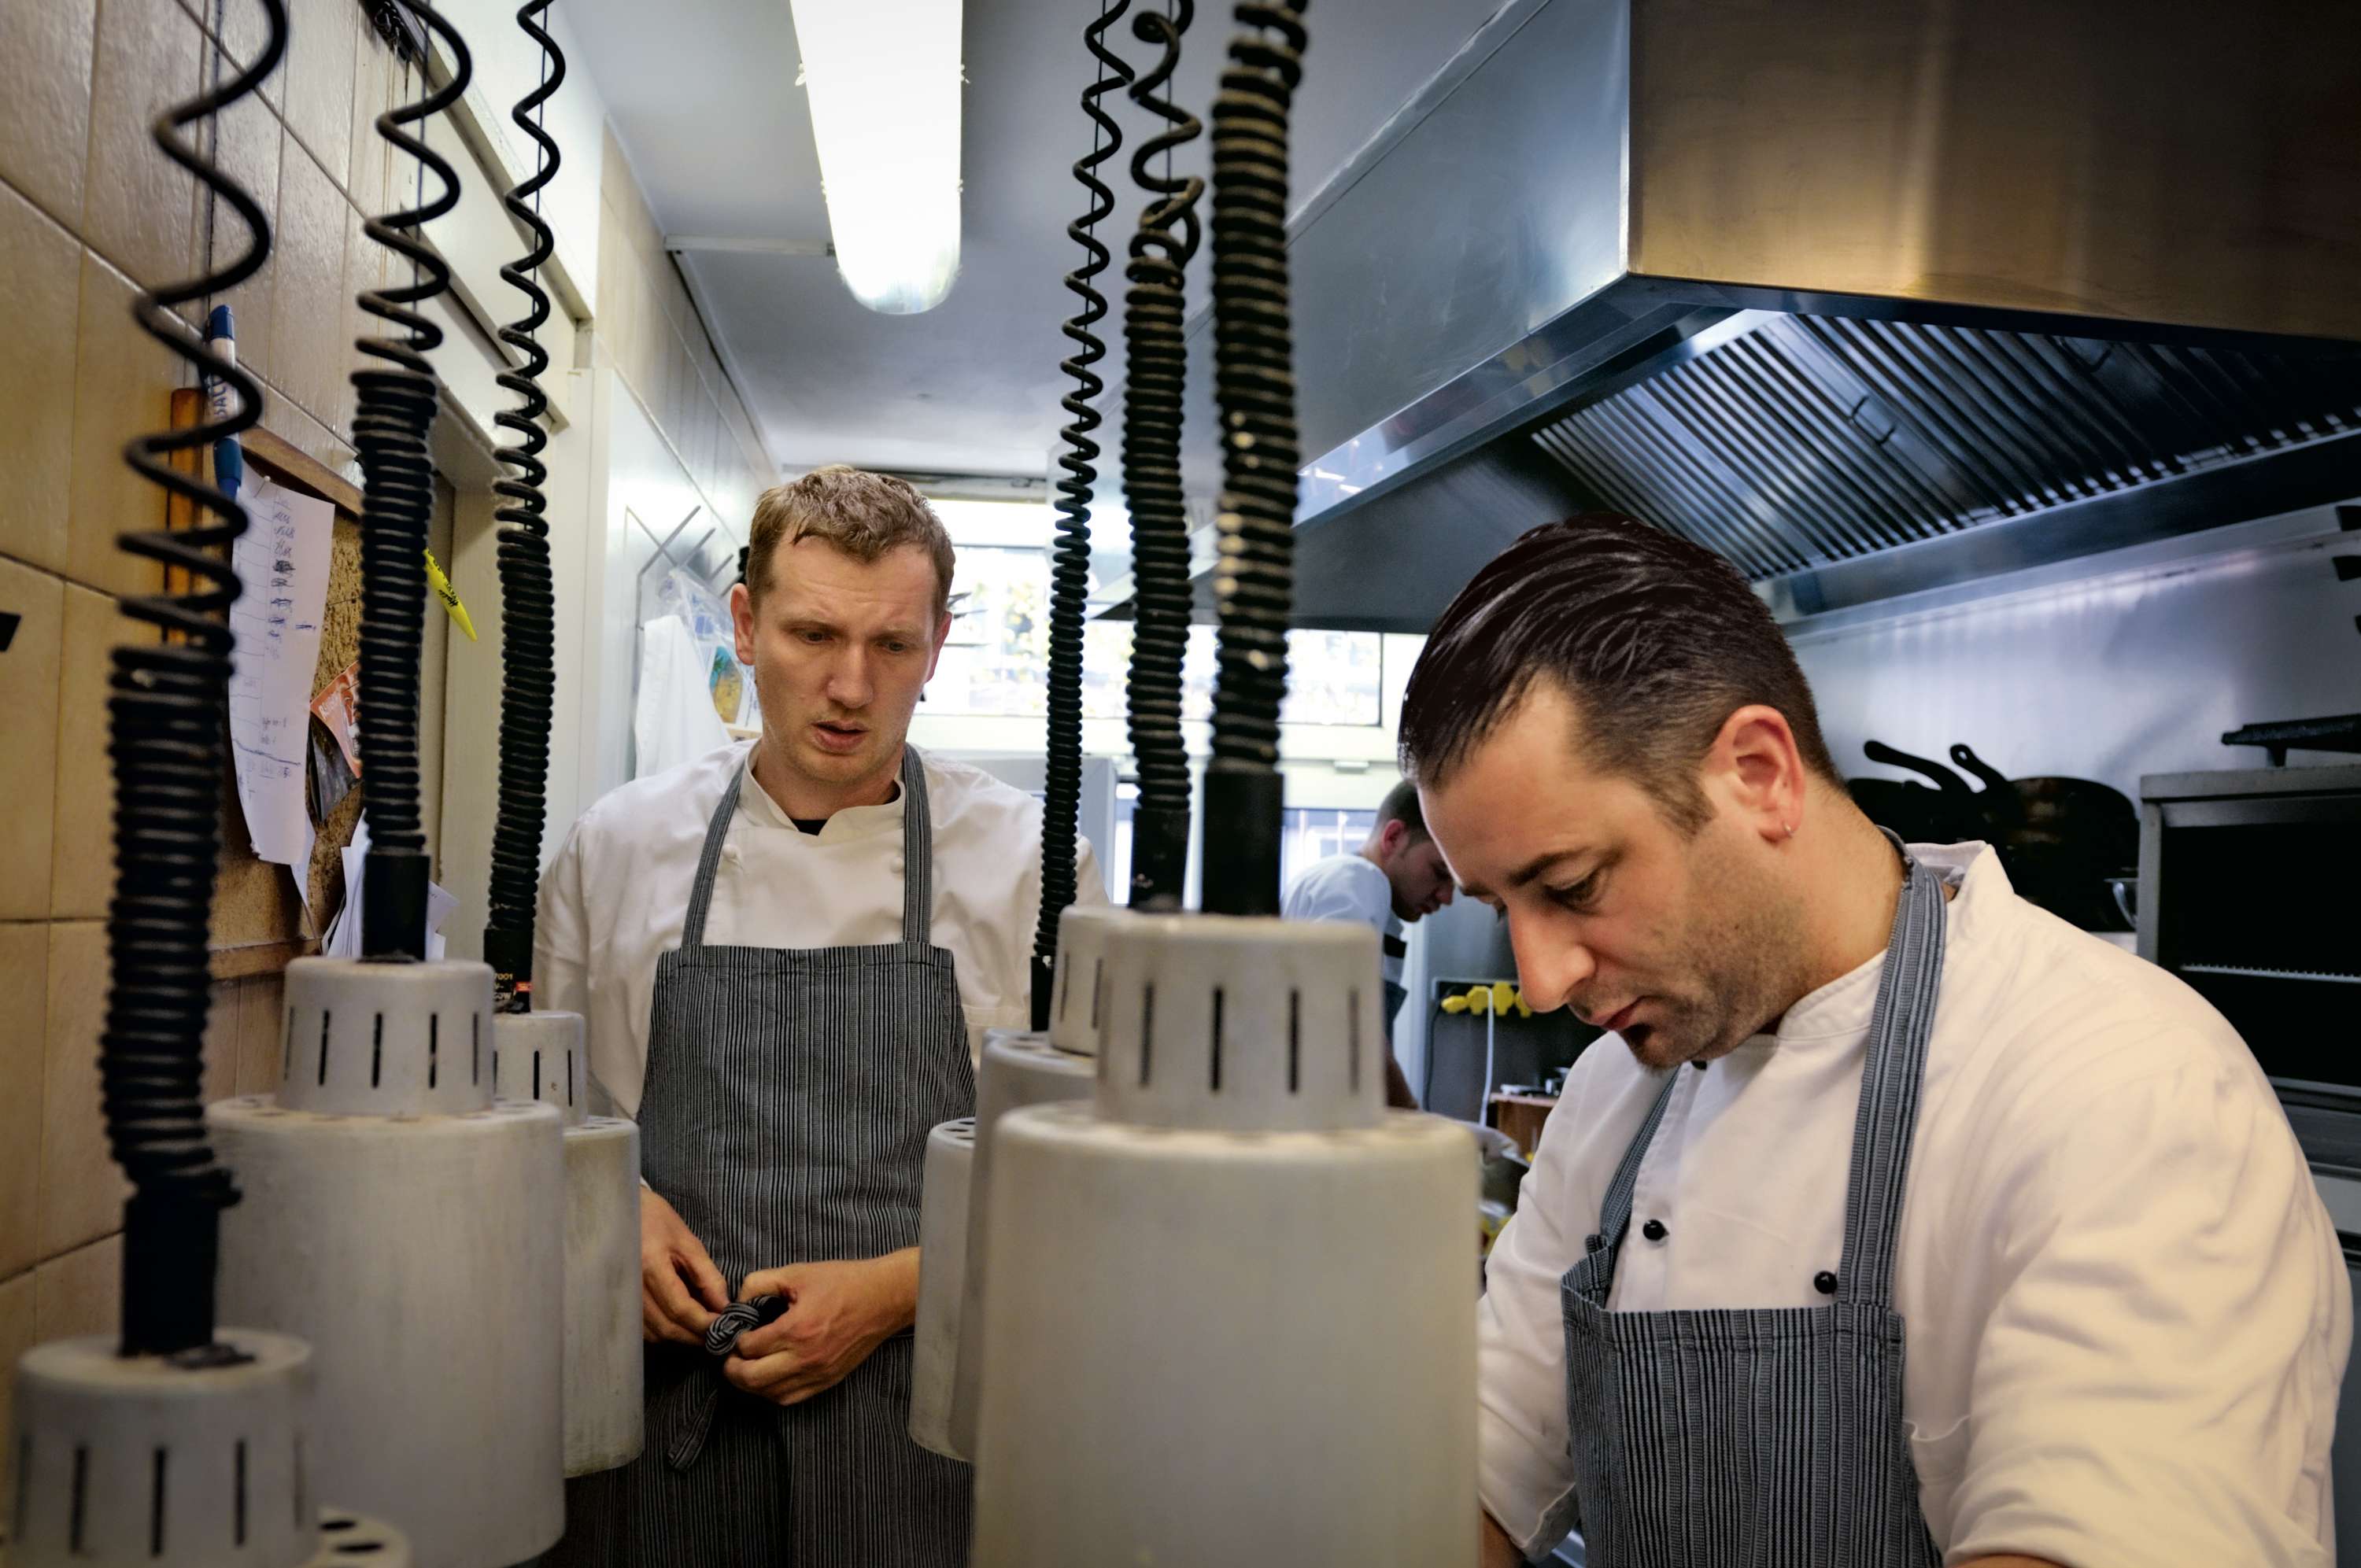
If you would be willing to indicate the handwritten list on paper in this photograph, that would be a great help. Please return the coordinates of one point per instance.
(282, 565)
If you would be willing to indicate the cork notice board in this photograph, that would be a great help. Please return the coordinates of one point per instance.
(258, 923)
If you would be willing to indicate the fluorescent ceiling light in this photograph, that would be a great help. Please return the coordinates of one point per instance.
(883, 82)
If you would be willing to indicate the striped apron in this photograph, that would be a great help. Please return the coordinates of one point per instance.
(1738, 1438)
(789, 1096)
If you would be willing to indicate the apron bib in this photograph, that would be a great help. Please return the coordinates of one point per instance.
(1766, 1437)
(788, 1099)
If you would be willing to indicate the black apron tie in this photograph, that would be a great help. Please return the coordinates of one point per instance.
(738, 1319)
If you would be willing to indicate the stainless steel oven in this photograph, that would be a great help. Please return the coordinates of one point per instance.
(2250, 890)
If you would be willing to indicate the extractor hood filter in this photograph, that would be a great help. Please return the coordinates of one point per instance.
(1796, 444)
(1232, 1312)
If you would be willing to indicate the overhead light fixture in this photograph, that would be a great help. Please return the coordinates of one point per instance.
(882, 79)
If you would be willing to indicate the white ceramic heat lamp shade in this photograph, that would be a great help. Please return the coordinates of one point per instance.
(1231, 1318)
(421, 1254)
(384, 1039)
(1247, 1025)
(545, 1055)
(942, 1270)
(118, 1461)
(1019, 1069)
(1078, 987)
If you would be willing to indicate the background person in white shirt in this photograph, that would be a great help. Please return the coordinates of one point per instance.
(2125, 1309)
(1395, 878)
(788, 953)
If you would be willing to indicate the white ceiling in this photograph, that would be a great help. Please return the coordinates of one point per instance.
(703, 99)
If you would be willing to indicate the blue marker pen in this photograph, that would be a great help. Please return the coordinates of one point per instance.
(229, 461)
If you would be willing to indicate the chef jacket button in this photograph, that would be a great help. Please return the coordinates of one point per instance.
(1824, 1283)
(1654, 1230)
(894, 862)
(730, 853)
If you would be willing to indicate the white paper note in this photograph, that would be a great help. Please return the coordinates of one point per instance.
(282, 565)
(344, 937)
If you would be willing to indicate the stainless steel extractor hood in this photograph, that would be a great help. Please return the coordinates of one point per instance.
(1870, 296)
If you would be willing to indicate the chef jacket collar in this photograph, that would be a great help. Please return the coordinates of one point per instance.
(854, 822)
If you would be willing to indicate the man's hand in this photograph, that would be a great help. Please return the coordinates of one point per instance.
(680, 1290)
(837, 1314)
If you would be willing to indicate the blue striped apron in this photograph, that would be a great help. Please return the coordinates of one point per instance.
(788, 1099)
(1739, 1438)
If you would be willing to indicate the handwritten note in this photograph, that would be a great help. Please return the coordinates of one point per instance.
(282, 564)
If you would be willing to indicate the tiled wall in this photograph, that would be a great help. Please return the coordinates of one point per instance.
(87, 204)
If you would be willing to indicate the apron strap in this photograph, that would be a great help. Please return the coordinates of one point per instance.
(1888, 1116)
(700, 892)
(918, 852)
(1615, 1213)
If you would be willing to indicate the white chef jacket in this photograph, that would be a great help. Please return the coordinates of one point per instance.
(1348, 887)
(614, 899)
(2127, 1311)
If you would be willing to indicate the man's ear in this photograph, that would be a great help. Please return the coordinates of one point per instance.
(742, 622)
(942, 635)
(1391, 837)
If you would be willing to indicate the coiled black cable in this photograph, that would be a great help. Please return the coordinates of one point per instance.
(1254, 385)
(1154, 372)
(165, 739)
(392, 421)
(528, 595)
(1069, 577)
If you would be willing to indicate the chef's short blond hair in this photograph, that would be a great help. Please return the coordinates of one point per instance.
(863, 514)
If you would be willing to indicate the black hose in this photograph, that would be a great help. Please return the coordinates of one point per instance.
(165, 740)
(391, 424)
(1254, 385)
(1156, 369)
(1069, 577)
(528, 595)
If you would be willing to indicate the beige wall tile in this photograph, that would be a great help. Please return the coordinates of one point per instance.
(364, 268)
(311, 361)
(18, 1333)
(319, 79)
(80, 1293)
(82, 850)
(306, 434)
(136, 201)
(28, 762)
(40, 285)
(123, 385)
(242, 29)
(261, 1034)
(221, 1011)
(377, 78)
(250, 135)
(25, 995)
(44, 55)
(81, 1191)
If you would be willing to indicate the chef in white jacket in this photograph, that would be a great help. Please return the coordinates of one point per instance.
(787, 952)
(1857, 1099)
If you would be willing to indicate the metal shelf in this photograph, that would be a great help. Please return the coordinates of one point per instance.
(2245, 972)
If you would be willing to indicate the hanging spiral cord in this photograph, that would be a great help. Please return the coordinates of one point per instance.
(393, 419)
(1069, 577)
(1254, 386)
(1154, 372)
(164, 714)
(528, 596)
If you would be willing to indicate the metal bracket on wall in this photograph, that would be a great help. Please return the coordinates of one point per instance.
(398, 27)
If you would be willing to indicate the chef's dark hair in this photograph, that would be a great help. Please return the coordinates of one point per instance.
(1401, 805)
(1658, 642)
